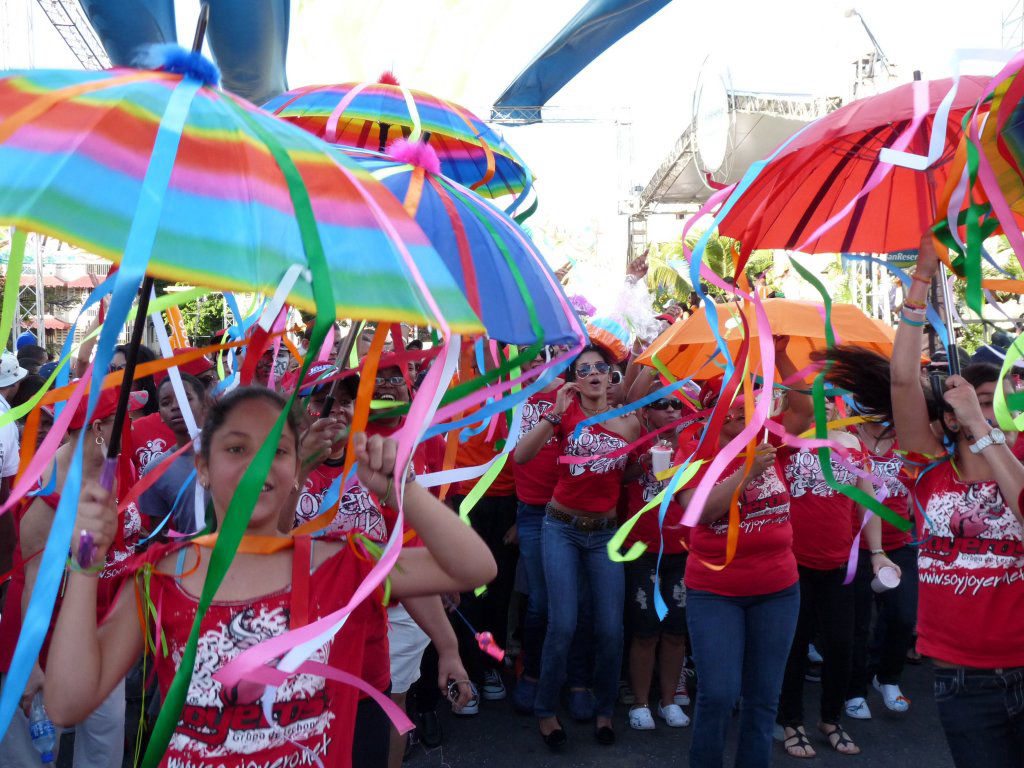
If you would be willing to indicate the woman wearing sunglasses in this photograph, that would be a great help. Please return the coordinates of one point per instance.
(742, 616)
(662, 563)
(579, 522)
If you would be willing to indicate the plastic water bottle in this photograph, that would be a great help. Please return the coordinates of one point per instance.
(40, 727)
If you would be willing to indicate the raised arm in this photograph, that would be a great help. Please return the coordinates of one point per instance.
(530, 444)
(1007, 471)
(86, 661)
(455, 559)
(909, 408)
(799, 412)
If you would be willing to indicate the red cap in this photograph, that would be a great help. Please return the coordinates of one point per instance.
(106, 406)
(196, 367)
(710, 390)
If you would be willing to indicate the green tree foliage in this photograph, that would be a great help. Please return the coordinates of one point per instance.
(203, 317)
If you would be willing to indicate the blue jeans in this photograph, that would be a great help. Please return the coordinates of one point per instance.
(573, 558)
(982, 713)
(529, 520)
(740, 646)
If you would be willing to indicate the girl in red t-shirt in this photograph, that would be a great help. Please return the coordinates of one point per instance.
(256, 600)
(580, 521)
(742, 616)
(865, 374)
(971, 556)
(664, 543)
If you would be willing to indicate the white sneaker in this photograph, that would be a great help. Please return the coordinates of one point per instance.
(641, 719)
(893, 697)
(493, 688)
(812, 655)
(472, 707)
(858, 709)
(682, 693)
(673, 715)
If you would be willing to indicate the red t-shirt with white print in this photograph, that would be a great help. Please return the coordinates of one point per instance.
(822, 517)
(152, 439)
(593, 485)
(536, 479)
(970, 571)
(892, 471)
(764, 561)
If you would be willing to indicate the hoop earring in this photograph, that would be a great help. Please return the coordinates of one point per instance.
(100, 441)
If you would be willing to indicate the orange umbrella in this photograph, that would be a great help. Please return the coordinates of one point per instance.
(688, 349)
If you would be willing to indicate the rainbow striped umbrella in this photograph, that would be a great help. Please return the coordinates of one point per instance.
(75, 148)
(505, 278)
(371, 115)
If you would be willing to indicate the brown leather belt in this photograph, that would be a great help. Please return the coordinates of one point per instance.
(582, 523)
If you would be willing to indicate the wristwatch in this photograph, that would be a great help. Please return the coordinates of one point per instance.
(554, 419)
(995, 437)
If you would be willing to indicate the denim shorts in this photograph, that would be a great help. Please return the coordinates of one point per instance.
(641, 612)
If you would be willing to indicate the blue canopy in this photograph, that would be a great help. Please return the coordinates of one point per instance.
(248, 38)
(595, 28)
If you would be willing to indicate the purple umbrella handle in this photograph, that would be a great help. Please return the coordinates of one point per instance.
(108, 473)
(86, 549)
(86, 544)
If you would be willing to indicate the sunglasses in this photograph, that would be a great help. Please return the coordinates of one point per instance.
(587, 369)
(664, 403)
(394, 381)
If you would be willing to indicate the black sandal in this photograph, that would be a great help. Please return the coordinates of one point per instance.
(799, 741)
(838, 737)
(556, 739)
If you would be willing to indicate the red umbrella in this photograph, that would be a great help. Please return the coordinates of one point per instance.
(825, 167)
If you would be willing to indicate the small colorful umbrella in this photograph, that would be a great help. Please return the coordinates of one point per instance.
(372, 115)
(505, 279)
(75, 148)
(688, 348)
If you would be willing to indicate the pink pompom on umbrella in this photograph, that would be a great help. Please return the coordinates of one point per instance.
(418, 154)
(388, 78)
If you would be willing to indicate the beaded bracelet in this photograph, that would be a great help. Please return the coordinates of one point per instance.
(914, 305)
(919, 279)
(90, 571)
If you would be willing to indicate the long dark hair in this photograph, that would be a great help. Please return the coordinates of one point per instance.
(866, 375)
(219, 411)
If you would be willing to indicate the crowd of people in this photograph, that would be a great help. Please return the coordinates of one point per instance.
(783, 573)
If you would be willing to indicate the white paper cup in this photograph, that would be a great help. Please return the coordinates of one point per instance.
(887, 578)
(661, 459)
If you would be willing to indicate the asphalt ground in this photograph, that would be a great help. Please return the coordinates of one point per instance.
(499, 738)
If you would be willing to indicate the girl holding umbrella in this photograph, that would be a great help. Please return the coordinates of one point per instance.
(971, 551)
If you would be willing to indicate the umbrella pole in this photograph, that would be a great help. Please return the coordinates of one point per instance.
(142, 311)
(130, 360)
(350, 342)
(953, 352)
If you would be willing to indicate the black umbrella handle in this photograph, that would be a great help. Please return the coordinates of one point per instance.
(130, 359)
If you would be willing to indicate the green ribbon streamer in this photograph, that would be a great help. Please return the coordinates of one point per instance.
(12, 284)
(1002, 402)
(820, 420)
(236, 519)
(638, 548)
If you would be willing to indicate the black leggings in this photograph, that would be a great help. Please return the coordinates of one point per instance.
(372, 737)
(894, 631)
(825, 603)
(491, 518)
